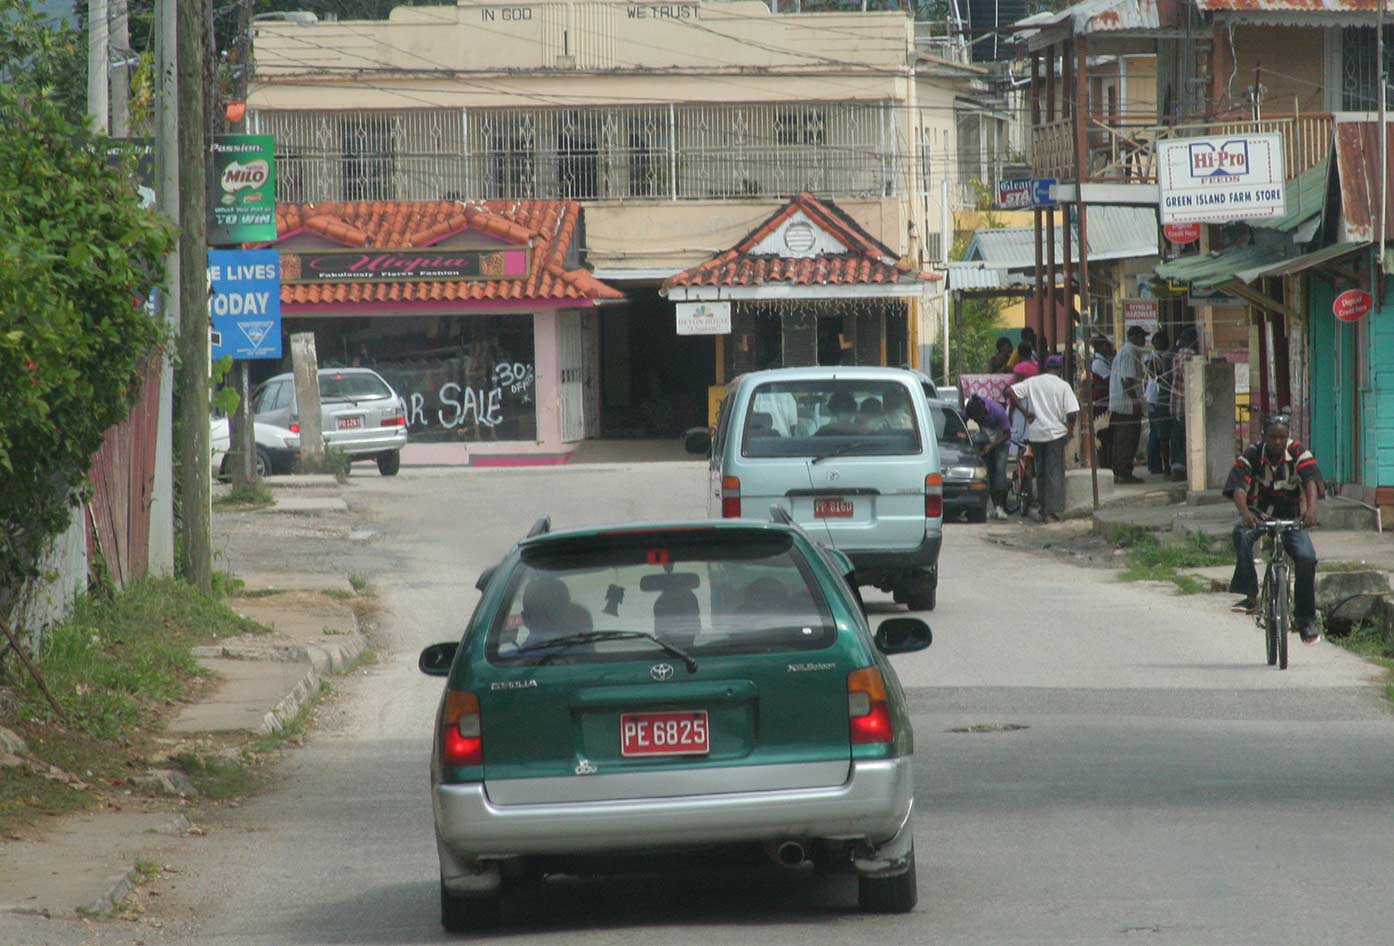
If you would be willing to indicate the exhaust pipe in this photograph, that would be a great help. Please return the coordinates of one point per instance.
(787, 853)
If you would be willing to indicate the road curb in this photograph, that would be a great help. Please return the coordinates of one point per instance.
(119, 888)
(291, 705)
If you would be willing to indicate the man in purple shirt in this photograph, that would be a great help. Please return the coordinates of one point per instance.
(992, 420)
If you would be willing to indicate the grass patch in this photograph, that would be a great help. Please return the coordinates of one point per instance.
(253, 495)
(217, 777)
(1152, 560)
(116, 667)
(334, 462)
(1367, 641)
(1347, 567)
(359, 584)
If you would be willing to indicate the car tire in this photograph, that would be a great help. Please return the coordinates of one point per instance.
(389, 463)
(897, 894)
(978, 515)
(263, 466)
(461, 914)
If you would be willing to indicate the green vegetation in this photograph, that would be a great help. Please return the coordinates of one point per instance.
(975, 336)
(1150, 559)
(358, 583)
(217, 777)
(1368, 641)
(246, 496)
(117, 666)
(334, 462)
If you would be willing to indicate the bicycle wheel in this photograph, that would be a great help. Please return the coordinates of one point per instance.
(1011, 503)
(1270, 620)
(1282, 611)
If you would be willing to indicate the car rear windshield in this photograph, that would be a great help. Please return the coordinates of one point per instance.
(739, 593)
(830, 416)
(354, 386)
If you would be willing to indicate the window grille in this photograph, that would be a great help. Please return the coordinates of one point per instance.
(1359, 72)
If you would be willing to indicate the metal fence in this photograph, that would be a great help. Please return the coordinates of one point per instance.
(672, 152)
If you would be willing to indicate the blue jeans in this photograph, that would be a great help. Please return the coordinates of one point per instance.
(1159, 438)
(1304, 566)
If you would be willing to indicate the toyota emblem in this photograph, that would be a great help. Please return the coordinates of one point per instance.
(661, 672)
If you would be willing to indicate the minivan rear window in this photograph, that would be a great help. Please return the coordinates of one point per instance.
(826, 416)
(351, 386)
(709, 595)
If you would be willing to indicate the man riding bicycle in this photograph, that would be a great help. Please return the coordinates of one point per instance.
(1276, 479)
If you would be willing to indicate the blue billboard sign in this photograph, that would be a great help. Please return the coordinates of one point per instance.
(1040, 191)
(246, 303)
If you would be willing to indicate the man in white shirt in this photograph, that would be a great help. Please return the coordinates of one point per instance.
(1125, 404)
(1050, 407)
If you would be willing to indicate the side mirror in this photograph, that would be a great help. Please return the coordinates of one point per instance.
(483, 581)
(435, 661)
(698, 440)
(903, 636)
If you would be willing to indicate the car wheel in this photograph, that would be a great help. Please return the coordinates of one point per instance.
(897, 894)
(461, 914)
(390, 463)
(263, 463)
(978, 515)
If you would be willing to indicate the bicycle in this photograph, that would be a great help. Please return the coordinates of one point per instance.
(1018, 498)
(1274, 615)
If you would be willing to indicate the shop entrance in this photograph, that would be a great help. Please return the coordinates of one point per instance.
(653, 380)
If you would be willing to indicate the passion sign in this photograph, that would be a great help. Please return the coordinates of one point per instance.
(1352, 305)
(374, 265)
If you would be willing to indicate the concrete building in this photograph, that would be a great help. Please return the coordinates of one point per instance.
(679, 128)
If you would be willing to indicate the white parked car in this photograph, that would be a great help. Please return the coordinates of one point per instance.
(277, 448)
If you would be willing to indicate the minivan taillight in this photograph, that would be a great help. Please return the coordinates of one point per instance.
(461, 738)
(294, 428)
(730, 498)
(868, 712)
(933, 496)
(394, 422)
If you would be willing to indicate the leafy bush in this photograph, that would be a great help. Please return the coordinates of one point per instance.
(78, 258)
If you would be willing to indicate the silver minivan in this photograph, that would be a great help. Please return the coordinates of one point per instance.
(360, 414)
(850, 453)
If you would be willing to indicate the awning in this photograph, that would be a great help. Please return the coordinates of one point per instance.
(1327, 254)
(1306, 200)
(1114, 233)
(1221, 266)
(976, 277)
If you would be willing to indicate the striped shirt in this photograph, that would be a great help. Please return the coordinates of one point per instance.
(1273, 488)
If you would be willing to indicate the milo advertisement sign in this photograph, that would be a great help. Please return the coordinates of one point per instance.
(242, 190)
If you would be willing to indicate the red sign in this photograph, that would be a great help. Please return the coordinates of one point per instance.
(1352, 305)
(1182, 233)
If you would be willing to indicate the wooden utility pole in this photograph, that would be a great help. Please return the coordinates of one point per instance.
(1086, 313)
(98, 56)
(305, 364)
(191, 424)
(241, 428)
(119, 45)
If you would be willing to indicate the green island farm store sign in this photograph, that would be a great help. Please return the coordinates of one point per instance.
(242, 190)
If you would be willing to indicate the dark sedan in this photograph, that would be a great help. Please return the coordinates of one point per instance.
(965, 475)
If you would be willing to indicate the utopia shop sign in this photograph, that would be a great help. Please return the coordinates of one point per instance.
(395, 265)
(1221, 179)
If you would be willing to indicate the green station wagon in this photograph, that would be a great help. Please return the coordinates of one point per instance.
(643, 689)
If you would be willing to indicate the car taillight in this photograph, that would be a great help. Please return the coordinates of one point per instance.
(461, 739)
(867, 709)
(933, 496)
(730, 498)
(395, 422)
(294, 428)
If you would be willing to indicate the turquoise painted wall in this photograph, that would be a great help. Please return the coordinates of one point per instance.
(1332, 400)
(1379, 397)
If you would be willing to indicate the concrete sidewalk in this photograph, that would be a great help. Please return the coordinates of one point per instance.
(90, 864)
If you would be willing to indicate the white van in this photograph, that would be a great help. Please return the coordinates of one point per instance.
(850, 453)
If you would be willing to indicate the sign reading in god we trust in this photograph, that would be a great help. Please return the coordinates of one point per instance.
(373, 265)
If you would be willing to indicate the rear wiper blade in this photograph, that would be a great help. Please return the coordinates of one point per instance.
(845, 448)
(591, 637)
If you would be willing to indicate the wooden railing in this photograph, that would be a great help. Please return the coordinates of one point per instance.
(1125, 151)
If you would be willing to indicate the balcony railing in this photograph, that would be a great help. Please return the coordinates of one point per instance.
(1125, 150)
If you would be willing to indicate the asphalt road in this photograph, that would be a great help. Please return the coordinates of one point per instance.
(1131, 772)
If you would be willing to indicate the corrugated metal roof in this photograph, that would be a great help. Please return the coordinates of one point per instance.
(1114, 233)
(975, 275)
(1357, 166)
(1220, 266)
(1306, 198)
(1289, 6)
(1327, 254)
(1097, 17)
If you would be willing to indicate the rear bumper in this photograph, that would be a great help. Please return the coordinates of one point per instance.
(962, 497)
(873, 806)
(870, 566)
(391, 438)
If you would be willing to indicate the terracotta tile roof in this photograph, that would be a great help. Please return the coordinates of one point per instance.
(867, 262)
(548, 226)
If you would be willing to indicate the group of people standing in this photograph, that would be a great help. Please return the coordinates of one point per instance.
(1137, 382)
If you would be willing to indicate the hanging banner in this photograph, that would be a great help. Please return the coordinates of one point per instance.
(245, 304)
(1221, 179)
(242, 190)
(703, 318)
(1352, 305)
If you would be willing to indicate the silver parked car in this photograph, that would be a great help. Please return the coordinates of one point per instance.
(360, 414)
